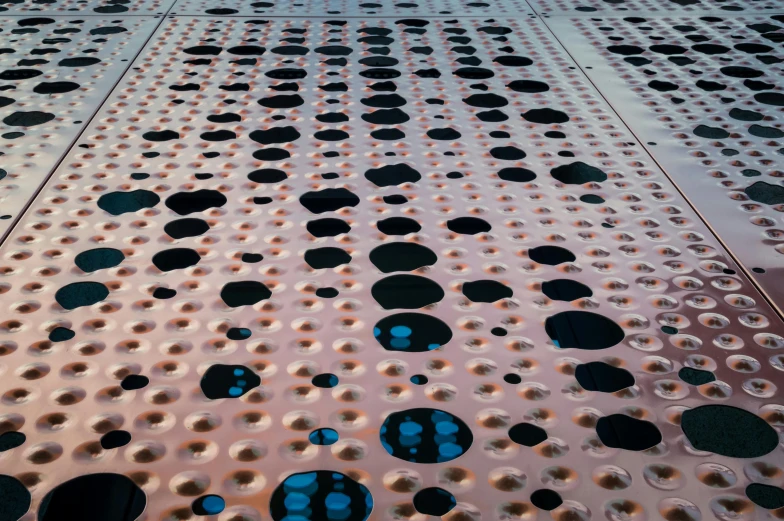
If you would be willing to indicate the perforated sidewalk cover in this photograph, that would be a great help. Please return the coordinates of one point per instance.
(347, 267)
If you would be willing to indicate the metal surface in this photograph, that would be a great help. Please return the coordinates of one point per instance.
(29, 153)
(712, 172)
(656, 264)
(352, 8)
(85, 7)
(651, 7)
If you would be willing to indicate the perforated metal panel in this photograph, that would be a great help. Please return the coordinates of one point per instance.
(53, 74)
(648, 259)
(85, 7)
(706, 104)
(652, 7)
(352, 8)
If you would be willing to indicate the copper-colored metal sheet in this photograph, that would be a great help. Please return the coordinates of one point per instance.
(41, 78)
(652, 7)
(351, 8)
(711, 122)
(85, 7)
(652, 267)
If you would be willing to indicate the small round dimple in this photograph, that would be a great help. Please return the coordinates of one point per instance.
(636, 255)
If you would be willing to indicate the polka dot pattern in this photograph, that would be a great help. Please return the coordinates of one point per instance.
(327, 362)
(58, 98)
(702, 93)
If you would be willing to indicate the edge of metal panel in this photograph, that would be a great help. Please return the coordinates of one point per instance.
(747, 273)
(88, 122)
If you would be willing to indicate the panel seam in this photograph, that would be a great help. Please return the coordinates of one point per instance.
(742, 267)
(48, 177)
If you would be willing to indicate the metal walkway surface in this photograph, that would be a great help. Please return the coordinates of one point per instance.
(54, 74)
(700, 93)
(352, 8)
(388, 261)
(674, 8)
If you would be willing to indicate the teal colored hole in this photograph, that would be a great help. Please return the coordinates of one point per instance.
(323, 436)
(450, 450)
(400, 343)
(297, 517)
(235, 391)
(296, 501)
(238, 372)
(446, 428)
(300, 480)
(400, 331)
(338, 515)
(337, 501)
(410, 428)
(409, 441)
(213, 504)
